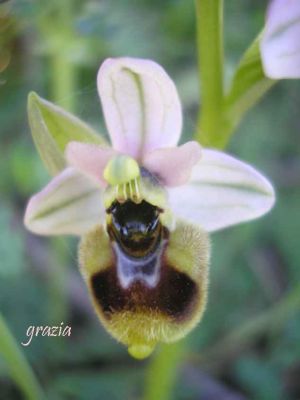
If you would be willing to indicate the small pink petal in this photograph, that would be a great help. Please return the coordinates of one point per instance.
(280, 44)
(89, 159)
(141, 106)
(173, 166)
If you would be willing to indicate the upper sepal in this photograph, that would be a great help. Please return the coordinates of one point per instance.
(141, 106)
(53, 128)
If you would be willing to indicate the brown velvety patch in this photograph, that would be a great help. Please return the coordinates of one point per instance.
(175, 295)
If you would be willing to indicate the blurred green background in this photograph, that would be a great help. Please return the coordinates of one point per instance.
(248, 343)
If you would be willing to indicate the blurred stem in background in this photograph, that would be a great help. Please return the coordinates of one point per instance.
(19, 368)
(58, 300)
(164, 365)
(63, 80)
(56, 25)
(63, 69)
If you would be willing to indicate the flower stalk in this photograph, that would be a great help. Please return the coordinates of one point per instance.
(209, 17)
(19, 368)
(162, 371)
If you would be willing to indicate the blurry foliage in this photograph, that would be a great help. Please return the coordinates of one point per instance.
(11, 261)
(252, 265)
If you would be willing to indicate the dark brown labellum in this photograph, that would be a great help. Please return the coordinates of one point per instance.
(147, 284)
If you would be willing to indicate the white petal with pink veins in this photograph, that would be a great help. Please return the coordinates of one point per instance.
(173, 166)
(280, 44)
(141, 106)
(70, 204)
(222, 191)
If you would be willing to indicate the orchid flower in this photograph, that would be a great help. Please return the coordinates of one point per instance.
(280, 44)
(144, 207)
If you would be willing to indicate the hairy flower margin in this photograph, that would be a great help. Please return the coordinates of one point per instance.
(191, 190)
(280, 43)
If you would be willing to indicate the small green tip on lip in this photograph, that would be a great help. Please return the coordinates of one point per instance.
(140, 351)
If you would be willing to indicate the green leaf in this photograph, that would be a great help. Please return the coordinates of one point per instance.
(249, 84)
(53, 128)
(19, 368)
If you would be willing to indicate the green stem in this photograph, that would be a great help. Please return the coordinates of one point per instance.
(209, 15)
(20, 370)
(162, 371)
